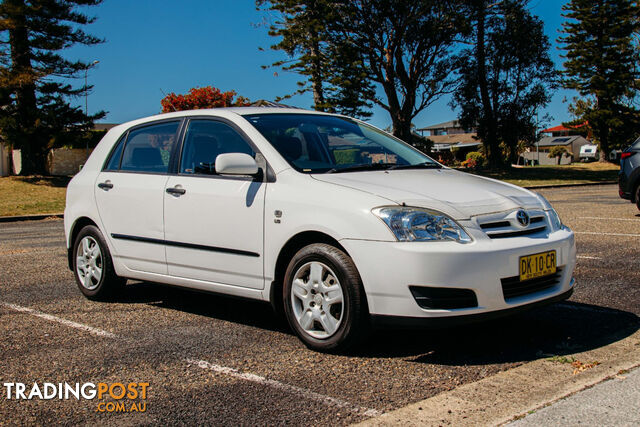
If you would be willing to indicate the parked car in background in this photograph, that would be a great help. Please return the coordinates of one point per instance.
(588, 153)
(629, 177)
(336, 223)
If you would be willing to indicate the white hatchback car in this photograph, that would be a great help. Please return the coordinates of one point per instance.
(336, 223)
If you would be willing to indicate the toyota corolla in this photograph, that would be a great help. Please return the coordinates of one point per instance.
(336, 223)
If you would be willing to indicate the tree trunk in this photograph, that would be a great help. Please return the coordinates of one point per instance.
(316, 75)
(402, 130)
(33, 148)
(491, 143)
(601, 130)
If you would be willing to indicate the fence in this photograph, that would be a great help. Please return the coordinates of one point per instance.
(60, 161)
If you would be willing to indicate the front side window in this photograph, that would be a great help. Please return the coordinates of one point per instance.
(148, 149)
(204, 141)
(314, 143)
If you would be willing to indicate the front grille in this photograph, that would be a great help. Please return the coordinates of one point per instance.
(516, 233)
(512, 287)
(504, 225)
(443, 298)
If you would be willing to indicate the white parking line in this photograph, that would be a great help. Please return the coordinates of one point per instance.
(606, 234)
(92, 330)
(588, 257)
(610, 219)
(327, 400)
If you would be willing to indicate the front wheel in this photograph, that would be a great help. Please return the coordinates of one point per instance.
(324, 299)
(93, 267)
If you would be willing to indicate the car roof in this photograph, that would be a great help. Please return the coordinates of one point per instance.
(218, 112)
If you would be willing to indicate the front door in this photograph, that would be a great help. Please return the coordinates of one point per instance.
(214, 224)
(130, 195)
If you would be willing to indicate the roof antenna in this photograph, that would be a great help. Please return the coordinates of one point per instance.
(170, 103)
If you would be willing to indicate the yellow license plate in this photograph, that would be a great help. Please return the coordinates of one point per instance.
(537, 265)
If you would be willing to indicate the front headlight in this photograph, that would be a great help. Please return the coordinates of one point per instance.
(556, 222)
(421, 225)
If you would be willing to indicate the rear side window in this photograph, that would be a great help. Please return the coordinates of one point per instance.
(148, 149)
(204, 141)
(116, 155)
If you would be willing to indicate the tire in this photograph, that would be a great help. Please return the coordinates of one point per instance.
(318, 276)
(637, 193)
(93, 267)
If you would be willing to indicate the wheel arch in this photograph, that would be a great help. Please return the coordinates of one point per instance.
(293, 245)
(635, 184)
(78, 225)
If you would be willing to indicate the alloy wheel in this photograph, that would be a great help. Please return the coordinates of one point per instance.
(317, 300)
(89, 263)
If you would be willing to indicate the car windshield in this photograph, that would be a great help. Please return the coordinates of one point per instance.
(314, 143)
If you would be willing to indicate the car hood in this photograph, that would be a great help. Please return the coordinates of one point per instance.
(458, 194)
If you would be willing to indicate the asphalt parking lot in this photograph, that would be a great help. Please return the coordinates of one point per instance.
(212, 359)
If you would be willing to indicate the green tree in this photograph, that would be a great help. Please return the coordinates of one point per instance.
(507, 76)
(406, 49)
(332, 69)
(558, 151)
(35, 110)
(401, 47)
(603, 65)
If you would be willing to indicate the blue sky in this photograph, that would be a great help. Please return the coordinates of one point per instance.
(163, 45)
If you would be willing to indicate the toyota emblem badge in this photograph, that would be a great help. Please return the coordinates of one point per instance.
(523, 218)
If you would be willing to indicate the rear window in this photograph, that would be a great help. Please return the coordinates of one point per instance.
(636, 144)
(148, 149)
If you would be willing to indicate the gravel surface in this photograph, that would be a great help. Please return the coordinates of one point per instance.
(159, 332)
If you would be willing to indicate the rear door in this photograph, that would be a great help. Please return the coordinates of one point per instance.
(130, 191)
(214, 224)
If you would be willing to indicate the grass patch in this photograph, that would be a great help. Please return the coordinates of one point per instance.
(32, 195)
(577, 173)
(562, 359)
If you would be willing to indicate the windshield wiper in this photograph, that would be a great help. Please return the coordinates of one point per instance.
(361, 167)
(425, 165)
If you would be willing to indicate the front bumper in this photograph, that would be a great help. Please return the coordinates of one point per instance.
(388, 269)
(382, 321)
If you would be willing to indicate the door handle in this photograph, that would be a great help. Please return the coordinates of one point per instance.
(175, 191)
(106, 186)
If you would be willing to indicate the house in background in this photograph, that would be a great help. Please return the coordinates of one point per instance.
(539, 151)
(447, 128)
(451, 134)
(572, 138)
(562, 130)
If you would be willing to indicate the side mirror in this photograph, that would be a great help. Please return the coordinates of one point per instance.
(236, 164)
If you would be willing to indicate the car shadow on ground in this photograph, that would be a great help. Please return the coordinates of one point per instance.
(559, 329)
(555, 330)
(223, 307)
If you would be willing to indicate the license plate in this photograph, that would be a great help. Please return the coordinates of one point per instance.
(537, 265)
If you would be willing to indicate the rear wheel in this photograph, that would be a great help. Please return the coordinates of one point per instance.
(93, 267)
(638, 196)
(324, 300)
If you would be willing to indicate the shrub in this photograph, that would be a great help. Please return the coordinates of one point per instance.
(477, 157)
(558, 151)
(470, 164)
